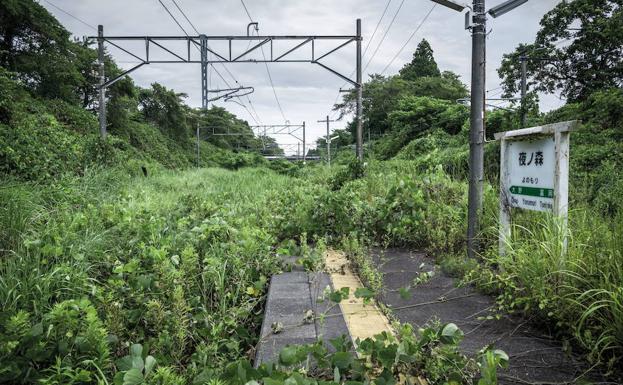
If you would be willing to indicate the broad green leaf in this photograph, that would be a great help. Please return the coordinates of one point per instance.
(502, 357)
(137, 363)
(150, 362)
(450, 334)
(342, 360)
(133, 377)
(364, 292)
(288, 356)
(271, 381)
(124, 363)
(136, 350)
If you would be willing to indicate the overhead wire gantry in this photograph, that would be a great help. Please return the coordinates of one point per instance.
(165, 45)
(297, 131)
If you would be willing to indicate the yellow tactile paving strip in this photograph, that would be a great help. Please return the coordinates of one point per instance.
(363, 320)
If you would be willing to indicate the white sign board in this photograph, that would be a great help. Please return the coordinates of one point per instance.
(534, 172)
(530, 166)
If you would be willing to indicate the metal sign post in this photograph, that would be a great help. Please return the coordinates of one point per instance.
(534, 173)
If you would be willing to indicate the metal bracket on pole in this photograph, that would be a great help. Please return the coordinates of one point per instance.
(229, 93)
(253, 23)
(359, 87)
(229, 57)
(102, 76)
(328, 140)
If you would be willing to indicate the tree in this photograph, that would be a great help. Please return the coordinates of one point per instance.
(220, 121)
(36, 46)
(577, 51)
(422, 65)
(164, 108)
(382, 94)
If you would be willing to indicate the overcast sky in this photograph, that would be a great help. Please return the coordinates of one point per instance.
(306, 91)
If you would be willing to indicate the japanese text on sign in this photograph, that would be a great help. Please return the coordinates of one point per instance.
(530, 166)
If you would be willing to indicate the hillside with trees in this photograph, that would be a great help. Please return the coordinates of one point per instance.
(48, 100)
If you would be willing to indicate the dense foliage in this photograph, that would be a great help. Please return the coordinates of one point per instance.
(48, 95)
(579, 50)
(114, 269)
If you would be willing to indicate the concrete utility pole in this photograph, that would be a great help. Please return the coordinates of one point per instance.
(205, 103)
(327, 120)
(478, 26)
(524, 87)
(477, 121)
(102, 76)
(304, 143)
(359, 87)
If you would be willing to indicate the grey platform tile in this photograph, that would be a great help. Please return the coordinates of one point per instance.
(290, 277)
(269, 351)
(290, 296)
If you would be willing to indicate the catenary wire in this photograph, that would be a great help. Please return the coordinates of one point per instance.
(213, 67)
(173, 17)
(409, 39)
(389, 27)
(270, 78)
(179, 8)
(70, 15)
(365, 50)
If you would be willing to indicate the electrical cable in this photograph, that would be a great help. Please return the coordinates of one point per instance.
(173, 17)
(365, 50)
(391, 23)
(270, 78)
(409, 39)
(246, 10)
(186, 17)
(70, 15)
(179, 8)
(376, 28)
(211, 65)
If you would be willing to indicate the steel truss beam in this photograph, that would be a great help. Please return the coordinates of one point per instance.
(202, 42)
(264, 130)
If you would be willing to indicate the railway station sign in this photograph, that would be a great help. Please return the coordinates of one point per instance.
(534, 172)
(530, 165)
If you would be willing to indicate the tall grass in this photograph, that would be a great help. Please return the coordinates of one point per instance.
(175, 261)
(579, 288)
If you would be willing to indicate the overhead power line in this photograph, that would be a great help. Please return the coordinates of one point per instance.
(173, 17)
(365, 50)
(256, 120)
(376, 28)
(409, 39)
(70, 15)
(179, 8)
(391, 23)
(186, 17)
(246, 10)
(270, 78)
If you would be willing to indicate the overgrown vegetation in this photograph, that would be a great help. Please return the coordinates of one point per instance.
(115, 269)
